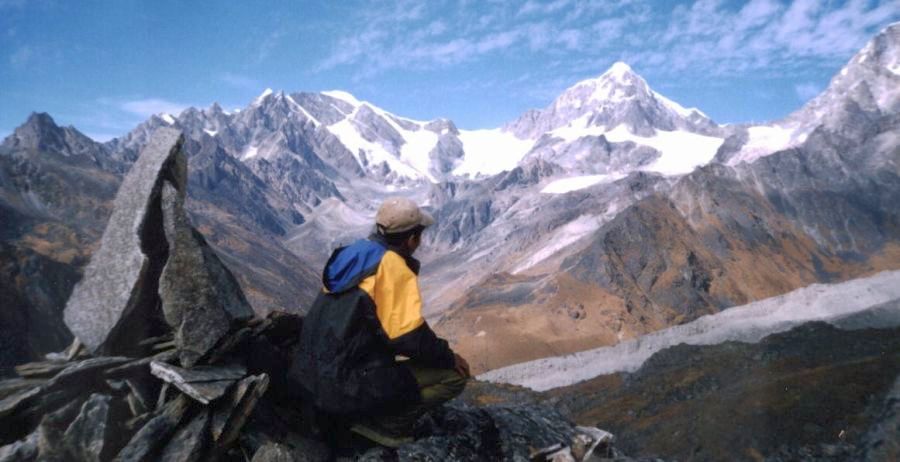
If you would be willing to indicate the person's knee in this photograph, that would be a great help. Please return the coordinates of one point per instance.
(456, 383)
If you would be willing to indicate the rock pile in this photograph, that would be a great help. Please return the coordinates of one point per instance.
(170, 364)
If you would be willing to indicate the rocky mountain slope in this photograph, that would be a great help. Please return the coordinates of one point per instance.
(598, 268)
(812, 393)
(169, 362)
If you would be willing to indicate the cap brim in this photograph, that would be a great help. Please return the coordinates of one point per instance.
(426, 220)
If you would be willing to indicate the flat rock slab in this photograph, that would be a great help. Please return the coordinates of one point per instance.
(12, 386)
(40, 369)
(137, 365)
(89, 369)
(15, 401)
(118, 293)
(202, 383)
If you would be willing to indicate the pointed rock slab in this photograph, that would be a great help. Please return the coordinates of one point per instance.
(114, 306)
(155, 432)
(86, 437)
(200, 296)
(51, 445)
(21, 451)
(273, 452)
(231, 414)
(203, 383)
(189, 441)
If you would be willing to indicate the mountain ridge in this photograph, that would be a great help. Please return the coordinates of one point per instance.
(651, 235)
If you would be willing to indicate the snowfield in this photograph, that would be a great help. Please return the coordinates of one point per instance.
(489, 152)
(765, 140)
(873, 301)
(575, 183)
(681, 151)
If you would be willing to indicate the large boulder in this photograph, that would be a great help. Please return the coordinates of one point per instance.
(116, 304)
(154, 273)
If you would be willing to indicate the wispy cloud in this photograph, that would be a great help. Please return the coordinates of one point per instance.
(239, 81)
(147, 107)
(108, 117)
(18, 4)
(767, 34)
(21, 57)
(807, 91)
(102, 137)
(408, 37)
(707, 37)
(536, 7)
(268, 44)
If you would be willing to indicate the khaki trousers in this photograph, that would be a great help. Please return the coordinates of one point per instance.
(437, 386)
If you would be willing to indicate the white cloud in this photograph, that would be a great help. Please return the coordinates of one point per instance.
(147, 107)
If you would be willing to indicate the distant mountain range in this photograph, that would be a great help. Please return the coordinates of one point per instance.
(611, 213)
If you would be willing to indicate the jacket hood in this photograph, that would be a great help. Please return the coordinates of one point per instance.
(349, 265)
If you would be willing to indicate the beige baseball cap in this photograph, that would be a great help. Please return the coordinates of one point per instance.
(399, 214)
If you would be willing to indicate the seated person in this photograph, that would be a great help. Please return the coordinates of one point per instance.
(369, 313)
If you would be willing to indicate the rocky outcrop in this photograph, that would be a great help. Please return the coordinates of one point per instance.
(882, 441)
(119, 287)
(152, 264)
(205, 381)
(198, 293)
(815, 392)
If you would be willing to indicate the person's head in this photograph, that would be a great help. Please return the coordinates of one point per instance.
(401, 222)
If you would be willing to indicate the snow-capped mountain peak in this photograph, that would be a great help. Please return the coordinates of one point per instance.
(343, 96)
(617, 97)
(617, 84)
(262, 96)
(619, 70)
(868, 85)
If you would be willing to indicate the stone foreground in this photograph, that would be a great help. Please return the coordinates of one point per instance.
(169, 364)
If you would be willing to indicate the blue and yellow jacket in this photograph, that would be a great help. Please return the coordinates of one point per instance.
(369, 311)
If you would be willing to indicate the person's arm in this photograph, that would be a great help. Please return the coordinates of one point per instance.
(423, 345)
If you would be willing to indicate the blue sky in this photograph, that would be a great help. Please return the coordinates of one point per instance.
(106, 66)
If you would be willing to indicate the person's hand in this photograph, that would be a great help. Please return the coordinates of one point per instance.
(461, 366)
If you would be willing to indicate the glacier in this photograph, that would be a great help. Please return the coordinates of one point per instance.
(869, 302)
